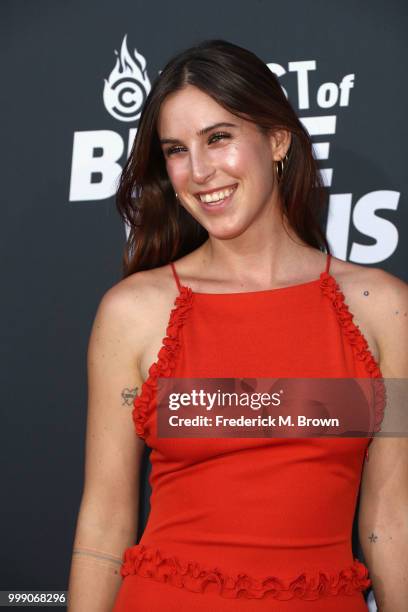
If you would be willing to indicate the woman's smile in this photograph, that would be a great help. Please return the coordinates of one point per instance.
(217, 201)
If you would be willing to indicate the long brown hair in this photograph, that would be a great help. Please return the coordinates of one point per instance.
(160, 229)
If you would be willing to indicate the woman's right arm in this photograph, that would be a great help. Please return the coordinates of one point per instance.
(108, 515)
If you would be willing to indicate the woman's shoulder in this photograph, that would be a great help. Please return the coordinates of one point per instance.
(354, 274)
(143, 292)
(372, 286)
(379, 303)
(137, 304)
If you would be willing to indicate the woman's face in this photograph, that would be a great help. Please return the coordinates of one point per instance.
(223, 157)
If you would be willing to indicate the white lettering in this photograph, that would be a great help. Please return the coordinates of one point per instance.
(86, 165)
(383, 231)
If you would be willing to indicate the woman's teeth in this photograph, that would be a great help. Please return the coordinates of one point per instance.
(217, 196)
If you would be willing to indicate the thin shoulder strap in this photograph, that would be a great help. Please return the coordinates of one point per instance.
(328, 263)
(176, 276)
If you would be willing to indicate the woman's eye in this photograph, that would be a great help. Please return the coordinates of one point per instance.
(219, 135)
(172, 150)
(213, 138)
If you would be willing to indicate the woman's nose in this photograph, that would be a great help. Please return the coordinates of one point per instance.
(201, 168)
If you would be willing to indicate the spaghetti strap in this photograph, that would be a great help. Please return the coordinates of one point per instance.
(176, 276)
(327, 263)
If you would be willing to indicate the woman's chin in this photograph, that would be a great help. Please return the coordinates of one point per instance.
(224, 231)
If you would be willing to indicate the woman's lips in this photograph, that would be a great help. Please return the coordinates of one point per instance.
(217, 206)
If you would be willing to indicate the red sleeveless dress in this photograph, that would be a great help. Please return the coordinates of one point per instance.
(258, 524)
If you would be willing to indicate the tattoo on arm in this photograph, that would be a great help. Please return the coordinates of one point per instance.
(128, 396)
(366, 292)
(97, 558)
(373, 538)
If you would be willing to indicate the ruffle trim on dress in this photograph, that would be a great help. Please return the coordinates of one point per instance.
(150, 562)
(331, 289)
(166, 360)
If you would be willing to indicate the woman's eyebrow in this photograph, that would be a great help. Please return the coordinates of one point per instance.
(200, 132)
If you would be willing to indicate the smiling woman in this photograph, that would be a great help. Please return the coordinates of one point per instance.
(244, 154)
(244, 126)
(228, 275)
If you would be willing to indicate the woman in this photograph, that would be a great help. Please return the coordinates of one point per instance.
(228, 274)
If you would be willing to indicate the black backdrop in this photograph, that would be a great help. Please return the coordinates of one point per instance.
(343, 65)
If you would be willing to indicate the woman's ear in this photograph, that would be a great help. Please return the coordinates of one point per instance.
(280, 142)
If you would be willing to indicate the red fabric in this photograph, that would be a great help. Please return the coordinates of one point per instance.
(252, 523)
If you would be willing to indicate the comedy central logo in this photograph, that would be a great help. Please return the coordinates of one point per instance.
(128, 85)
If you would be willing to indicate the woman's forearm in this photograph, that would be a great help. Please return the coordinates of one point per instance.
(385, 549)
(95, 567)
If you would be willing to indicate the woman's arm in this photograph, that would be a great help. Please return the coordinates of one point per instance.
(107, 520)
(383, 516)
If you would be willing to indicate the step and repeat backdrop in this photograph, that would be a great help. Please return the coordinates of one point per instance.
(75, 76)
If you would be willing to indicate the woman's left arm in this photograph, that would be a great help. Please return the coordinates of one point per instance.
(383, 514)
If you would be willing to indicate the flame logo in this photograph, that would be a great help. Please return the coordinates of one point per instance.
(127, 86)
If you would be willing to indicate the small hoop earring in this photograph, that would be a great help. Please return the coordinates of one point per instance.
(280, 166)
